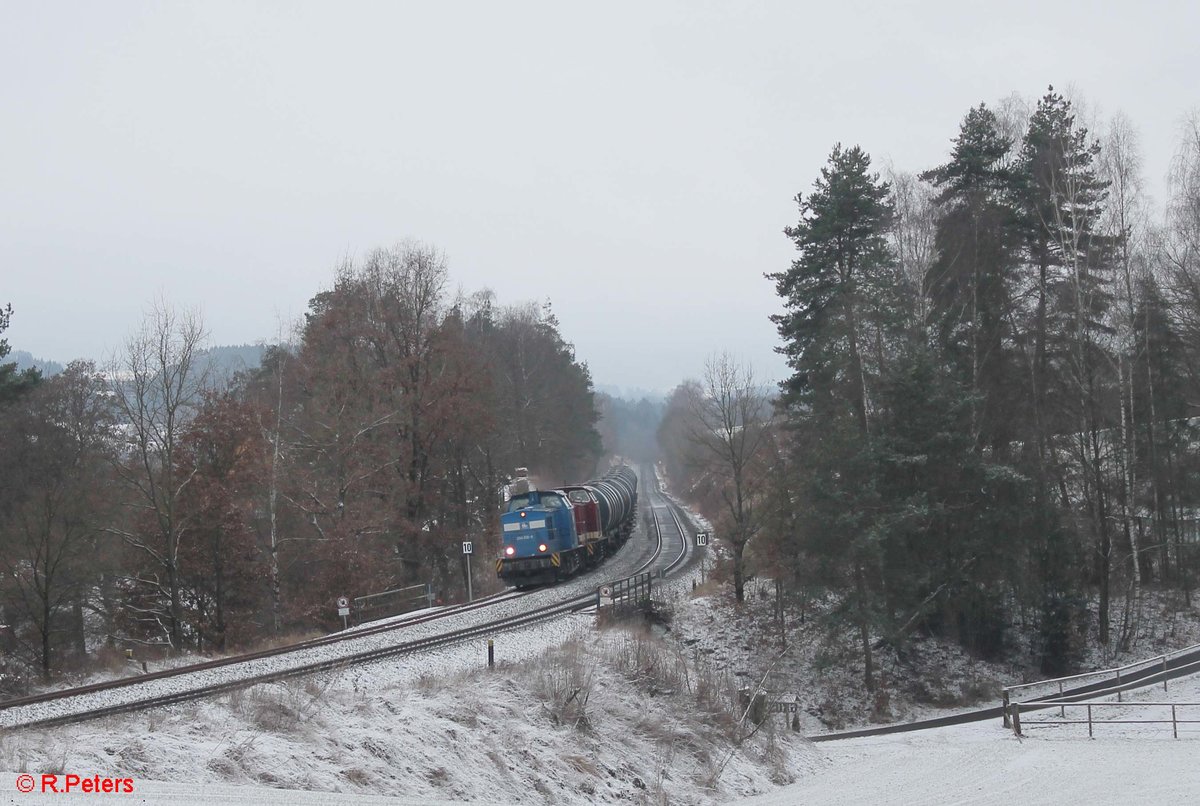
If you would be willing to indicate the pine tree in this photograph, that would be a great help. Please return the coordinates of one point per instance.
(841, 300)
(971, 281)
(1162, 389)
(1061, 201)
(839, 288)
(12, 383)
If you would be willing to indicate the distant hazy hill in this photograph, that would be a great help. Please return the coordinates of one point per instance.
(229, 360)
(25, 360)
(630, 393)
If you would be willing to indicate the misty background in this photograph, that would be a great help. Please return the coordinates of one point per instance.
(634, 164)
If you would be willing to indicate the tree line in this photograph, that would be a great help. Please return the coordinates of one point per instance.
(153, 502)
(989, 431)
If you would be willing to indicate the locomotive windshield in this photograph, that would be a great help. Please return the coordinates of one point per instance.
(532, 499)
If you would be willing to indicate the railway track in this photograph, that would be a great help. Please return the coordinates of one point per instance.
(684, 552)
(171, 686)
(312, 643)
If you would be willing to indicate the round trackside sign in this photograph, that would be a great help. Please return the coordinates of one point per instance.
(343, 601)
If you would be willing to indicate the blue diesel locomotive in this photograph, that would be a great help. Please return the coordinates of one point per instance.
(548, 535)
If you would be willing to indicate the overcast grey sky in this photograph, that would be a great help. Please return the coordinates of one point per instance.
(633, 162)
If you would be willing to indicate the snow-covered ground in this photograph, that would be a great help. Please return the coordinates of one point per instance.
(579, 717)
(516, 735)
(572, 715)
(985, 764)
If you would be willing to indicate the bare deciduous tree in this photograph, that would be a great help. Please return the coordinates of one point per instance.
(1182, 242)
(729, 415)
(913, 236)
(156, 384)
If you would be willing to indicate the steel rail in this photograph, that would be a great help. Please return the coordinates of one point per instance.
(683, 539)
(678, 527)
(311, 643)
(658, 532)
(500, 625)
(671, 508)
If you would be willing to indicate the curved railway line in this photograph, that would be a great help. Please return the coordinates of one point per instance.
(222, 675)
(685, 546)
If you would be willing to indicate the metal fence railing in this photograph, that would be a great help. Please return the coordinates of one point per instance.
(1139, 671)
(1150, 673)
(391, 603)
(623, 597)
(1090, 719)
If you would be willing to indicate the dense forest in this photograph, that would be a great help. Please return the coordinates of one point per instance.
(165, 502)
(989, 434)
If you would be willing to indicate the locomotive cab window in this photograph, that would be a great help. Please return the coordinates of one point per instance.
(518, 502)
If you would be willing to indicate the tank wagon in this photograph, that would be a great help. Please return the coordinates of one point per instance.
(548, 535)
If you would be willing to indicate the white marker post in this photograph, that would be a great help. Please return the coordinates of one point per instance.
(468, 549)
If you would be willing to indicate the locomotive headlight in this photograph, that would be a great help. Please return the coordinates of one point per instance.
(541, 547)
(510, 550)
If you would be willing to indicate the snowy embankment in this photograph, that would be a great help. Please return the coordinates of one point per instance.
(629, 556)
(583, 717)
(594, 720)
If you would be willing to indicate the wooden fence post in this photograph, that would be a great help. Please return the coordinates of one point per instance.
(1004, 709)
(1016, 718)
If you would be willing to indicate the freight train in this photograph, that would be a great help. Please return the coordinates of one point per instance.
(548, 535)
